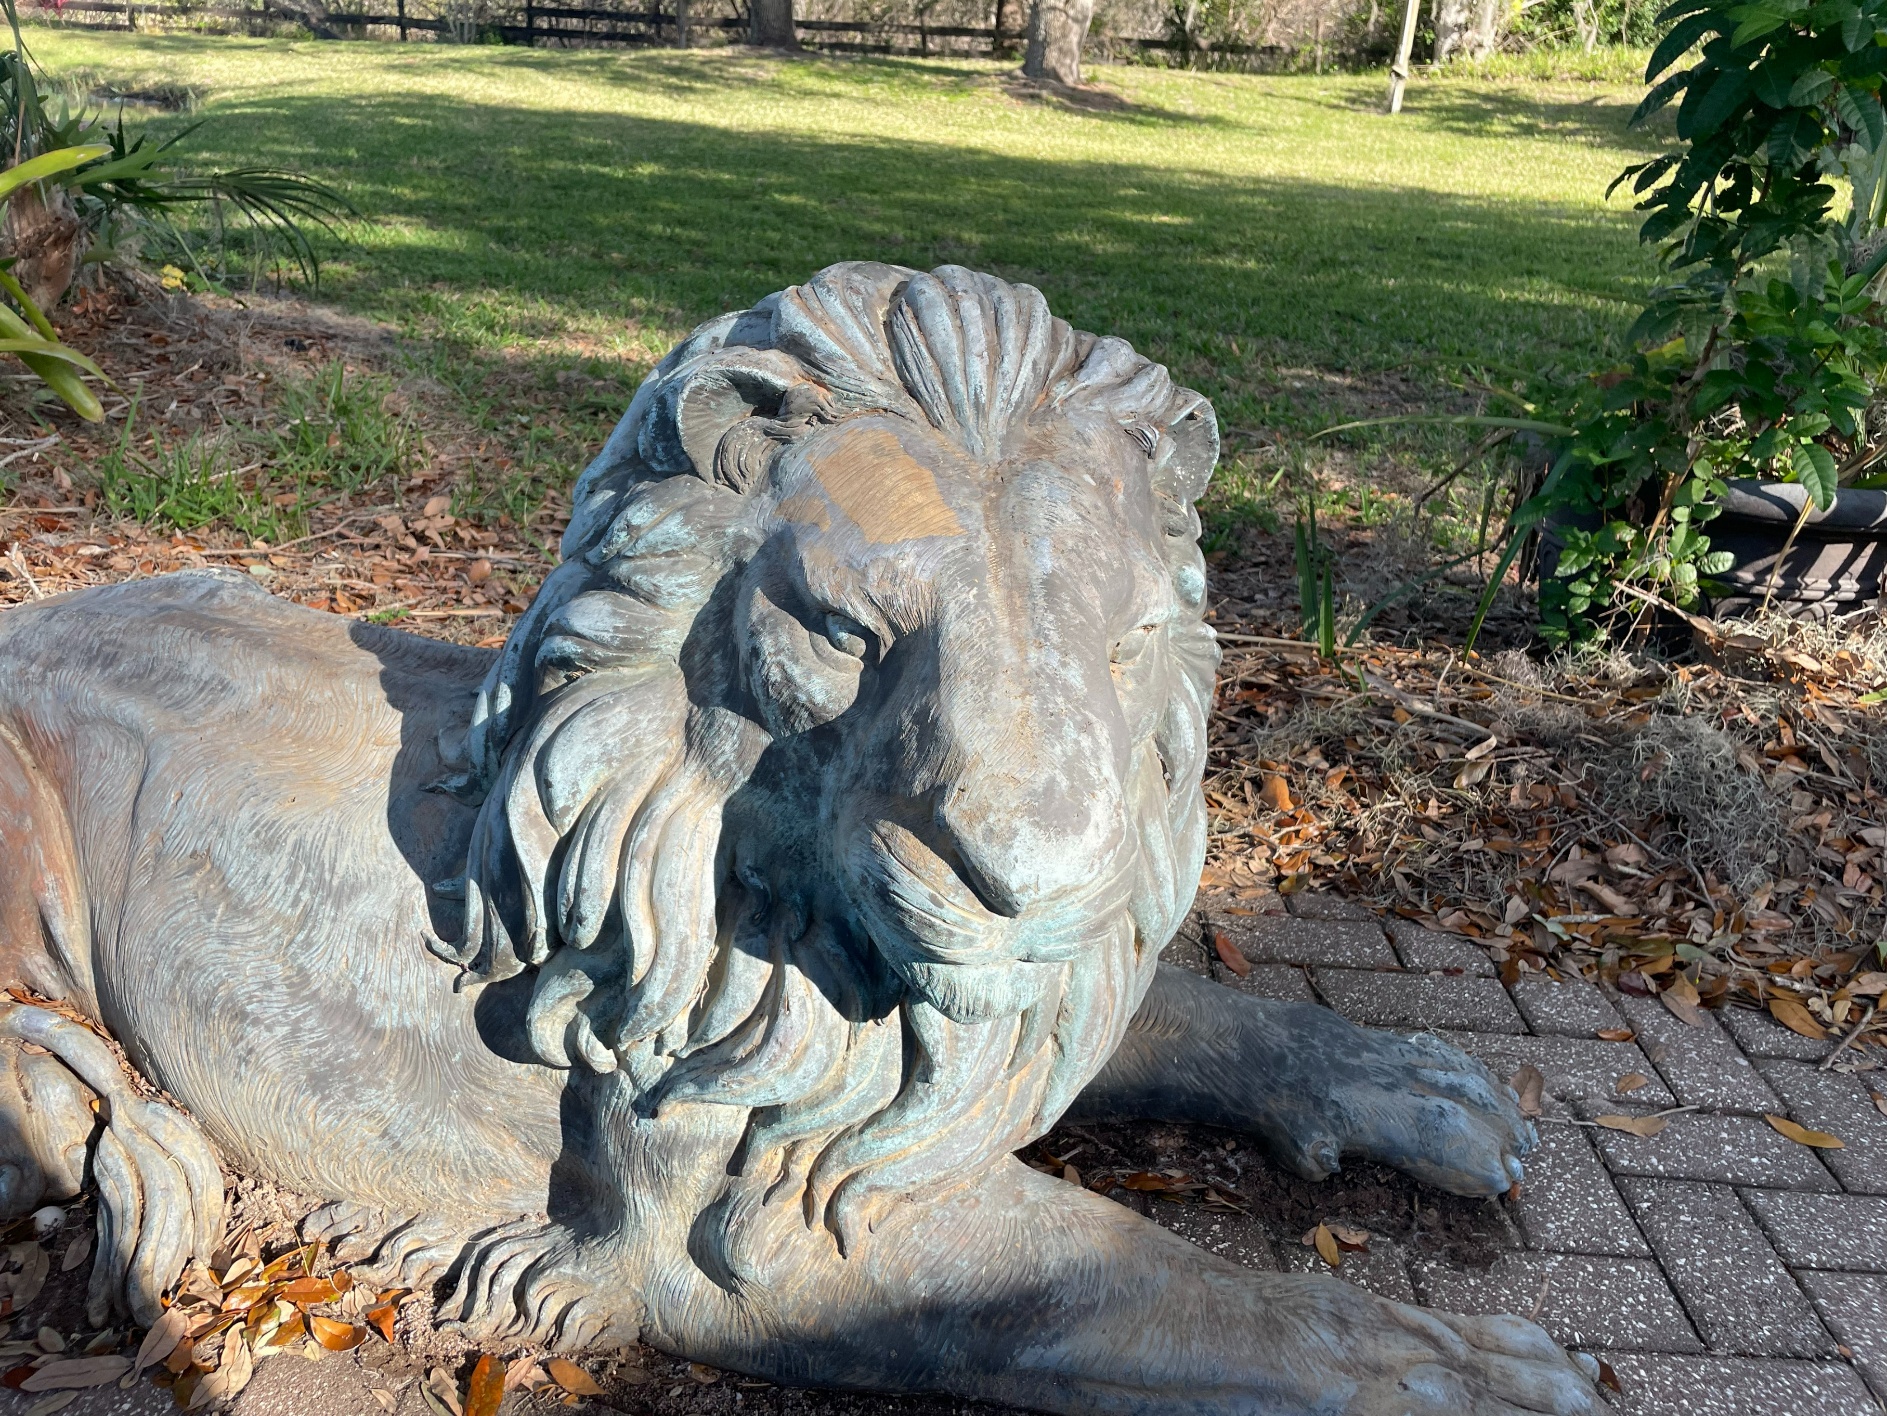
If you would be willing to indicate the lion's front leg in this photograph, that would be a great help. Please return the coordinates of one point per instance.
(1023, 1289)
(1315, 1086)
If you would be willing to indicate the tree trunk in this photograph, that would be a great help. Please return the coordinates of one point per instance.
(46, 241)
(1057, 29)
(773, 24)
(1485, 35)
(1452, 21)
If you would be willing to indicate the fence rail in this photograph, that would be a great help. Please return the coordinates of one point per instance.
(529, 23)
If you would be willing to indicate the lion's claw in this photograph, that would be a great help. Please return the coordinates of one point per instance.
(160, 1186)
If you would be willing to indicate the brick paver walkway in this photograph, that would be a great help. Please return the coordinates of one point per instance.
(1721, 1269)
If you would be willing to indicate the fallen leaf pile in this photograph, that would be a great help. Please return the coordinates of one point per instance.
(1706, 835)
(237, 1311)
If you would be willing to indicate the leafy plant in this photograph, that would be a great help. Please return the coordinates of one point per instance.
(79, 180)
(1758, 355)
(1316, 585)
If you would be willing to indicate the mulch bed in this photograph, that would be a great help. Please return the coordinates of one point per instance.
(1711, 832)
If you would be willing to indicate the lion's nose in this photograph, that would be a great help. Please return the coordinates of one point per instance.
(1022, 856)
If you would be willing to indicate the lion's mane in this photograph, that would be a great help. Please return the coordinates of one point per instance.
(613, 729)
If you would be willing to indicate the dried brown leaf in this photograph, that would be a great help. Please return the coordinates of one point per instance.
(1680, 998)
(1793, 1016)
(308, 1291)
(1326, 1245)
(1801, 1135)
(77, 1252)
(486, 1389)
(1636, 1125)
(382, 1318)
(1275, 793)
(163, 1337)
(1609, 1378)
(442, 1393)
(1229, 954)
(524, 1372)
(571, 1377)
(333, 1335)
(35, 1263)
(1616, 1034)
(1350, 1239)
(77, 1372)
(1529, 1084)
(1631, 1082)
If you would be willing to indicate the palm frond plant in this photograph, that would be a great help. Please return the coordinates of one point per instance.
(72, 185)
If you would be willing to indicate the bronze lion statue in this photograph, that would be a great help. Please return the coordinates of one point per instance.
(691, 967)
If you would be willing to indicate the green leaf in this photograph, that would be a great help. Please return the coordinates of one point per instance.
(1755, 27)
(1810, 88)
(1862, 112)
(1673, 47)
(50, 164)
(1814, 468)
(49, 350)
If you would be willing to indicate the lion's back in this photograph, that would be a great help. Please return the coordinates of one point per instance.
(243, 781)
(212, 646)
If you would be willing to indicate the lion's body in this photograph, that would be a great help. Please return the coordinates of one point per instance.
(241, 783)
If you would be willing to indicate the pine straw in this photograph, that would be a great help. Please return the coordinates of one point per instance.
(1723, 822)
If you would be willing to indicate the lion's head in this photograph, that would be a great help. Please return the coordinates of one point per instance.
(848, 769)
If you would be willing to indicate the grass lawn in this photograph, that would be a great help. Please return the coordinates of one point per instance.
(1276, 240)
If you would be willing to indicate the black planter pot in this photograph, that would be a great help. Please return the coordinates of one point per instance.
(1835, 566)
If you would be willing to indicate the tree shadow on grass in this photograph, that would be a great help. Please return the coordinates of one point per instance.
(1485, 112)
(501, 226)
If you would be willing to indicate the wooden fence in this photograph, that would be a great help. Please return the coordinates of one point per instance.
(558, 26)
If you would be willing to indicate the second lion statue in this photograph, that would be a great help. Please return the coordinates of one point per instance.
(691, 968)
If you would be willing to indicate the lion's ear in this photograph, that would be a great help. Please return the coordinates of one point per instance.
(1188, 449)
(700, 402)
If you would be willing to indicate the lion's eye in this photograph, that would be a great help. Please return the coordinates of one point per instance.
(848, 636)
(1132, 645)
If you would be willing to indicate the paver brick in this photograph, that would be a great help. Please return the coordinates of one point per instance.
(1582, 1301)
(1838, 1102)
(1429, 949)
(1702, 1065)
(1568, 1203)
(1573, 1008)
(1732, 1150)
(1285, 939)
(1382, 1268)
(1824, 1231)
(1576, 1069)
(1660, 1385)
(1854, 1305)
(1309, 905)
(1285, 982)
(1739, 1296)
(1238, 1237)
(1411, 1000)
(1760, 1035)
